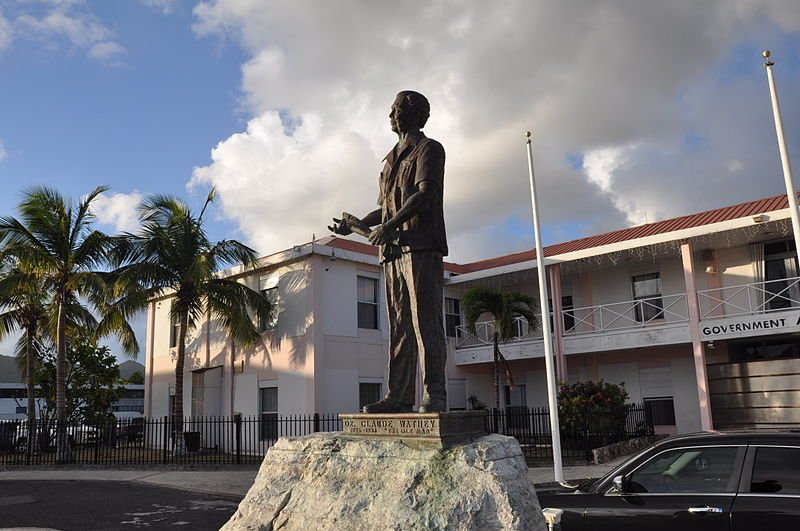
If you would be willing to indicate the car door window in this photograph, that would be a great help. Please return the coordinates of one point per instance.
(685, 470)
(776, 471)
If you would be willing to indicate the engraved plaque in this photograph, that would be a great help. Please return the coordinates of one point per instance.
(438, 428)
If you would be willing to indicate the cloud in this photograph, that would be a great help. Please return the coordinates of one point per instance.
(118, 210)
(5, 33)
(3, 152)
(107, 52)
(656, 100)
(164, 6)
(56, 22)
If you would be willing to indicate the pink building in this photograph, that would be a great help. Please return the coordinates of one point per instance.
(698, 316)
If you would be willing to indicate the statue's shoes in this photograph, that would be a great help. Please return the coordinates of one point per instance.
(434, 405)
(387, 406)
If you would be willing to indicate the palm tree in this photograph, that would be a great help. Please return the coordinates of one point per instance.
(504, 308)
(53, 240)
(171, 254)
(23, 308)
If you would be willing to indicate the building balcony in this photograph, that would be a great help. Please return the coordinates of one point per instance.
(750, 299)
(619, 325)
(758, 308)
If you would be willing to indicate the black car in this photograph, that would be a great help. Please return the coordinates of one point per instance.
(712, 481)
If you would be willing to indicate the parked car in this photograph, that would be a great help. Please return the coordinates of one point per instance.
(79, 434)
(129, 429)
(713, 481)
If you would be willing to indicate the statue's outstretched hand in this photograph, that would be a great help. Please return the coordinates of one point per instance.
(340, 226)
(383, 234)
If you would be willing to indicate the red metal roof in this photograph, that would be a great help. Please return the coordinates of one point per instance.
(741, 210)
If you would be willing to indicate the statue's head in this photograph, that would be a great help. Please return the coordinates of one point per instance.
(410, 111)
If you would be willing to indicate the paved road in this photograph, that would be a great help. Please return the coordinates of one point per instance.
(102, 505)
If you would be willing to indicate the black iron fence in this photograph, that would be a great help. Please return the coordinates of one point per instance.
(154, 441)
(245, 440)
(581, 431)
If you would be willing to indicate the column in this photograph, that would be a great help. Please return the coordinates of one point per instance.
(694, 332)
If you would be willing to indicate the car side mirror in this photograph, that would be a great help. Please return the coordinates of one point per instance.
(619, 483)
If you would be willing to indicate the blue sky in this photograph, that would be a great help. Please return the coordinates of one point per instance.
(139, 121)
(640, 110)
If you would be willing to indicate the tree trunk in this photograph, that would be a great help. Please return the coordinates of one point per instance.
(30, 381)
(63, 452)
(496, 372)
(177, 411)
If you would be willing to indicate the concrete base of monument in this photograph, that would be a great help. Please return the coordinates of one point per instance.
(330, 481)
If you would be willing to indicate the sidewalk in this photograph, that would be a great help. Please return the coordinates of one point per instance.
(235, 482)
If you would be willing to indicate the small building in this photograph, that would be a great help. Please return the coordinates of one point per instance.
(14, 393)
(698, 316)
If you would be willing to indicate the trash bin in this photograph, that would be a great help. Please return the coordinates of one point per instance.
(192, 440)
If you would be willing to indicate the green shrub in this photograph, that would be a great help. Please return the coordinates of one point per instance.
(592, 409)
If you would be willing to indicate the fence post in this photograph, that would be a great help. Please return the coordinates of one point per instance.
(237, 419)
(165, 429)
(97, 439)
(495, 420)
(316, 422)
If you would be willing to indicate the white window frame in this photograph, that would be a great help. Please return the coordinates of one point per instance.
(374, 303)
(459, 315)
(640, 310)
(268, 287)
(373, 381)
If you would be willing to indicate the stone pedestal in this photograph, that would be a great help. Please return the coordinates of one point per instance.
(336, 481)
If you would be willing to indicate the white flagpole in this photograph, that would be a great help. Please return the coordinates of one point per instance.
(787, 166)
(544, 303)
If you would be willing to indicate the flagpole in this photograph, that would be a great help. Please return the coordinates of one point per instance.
(787, 166)
(544, 303)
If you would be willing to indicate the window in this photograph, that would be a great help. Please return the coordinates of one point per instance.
(198, 393)
(268, 287)
(21, 410)
(271, 295)
(269, 413)
(514, 396)
(174, 330)
(780, 263)
(776, 470)
(647, 296)
(705, 470)
(661, 410)
(568, 317)
(369, 393)
(452, 317)
(516, 407)
(367, 303)
(19, 393)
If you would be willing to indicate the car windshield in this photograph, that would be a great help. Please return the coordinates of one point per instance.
(593, 484)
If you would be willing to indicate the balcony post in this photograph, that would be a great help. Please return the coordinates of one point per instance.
(558, 322)
(694, 332)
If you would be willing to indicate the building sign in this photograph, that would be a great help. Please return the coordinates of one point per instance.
(750, 325)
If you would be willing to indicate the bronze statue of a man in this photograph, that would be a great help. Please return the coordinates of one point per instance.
(411, 218)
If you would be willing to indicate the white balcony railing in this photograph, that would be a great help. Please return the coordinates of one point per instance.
(484, 333)
(748, 299)
(730, 301)
(591, 320)
(626, 315)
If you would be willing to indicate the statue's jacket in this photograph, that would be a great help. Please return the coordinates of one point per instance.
(405, 167)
